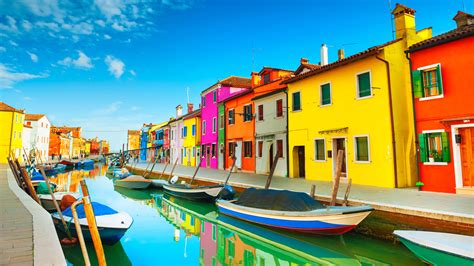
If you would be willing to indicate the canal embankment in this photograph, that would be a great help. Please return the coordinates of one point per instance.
(27, 233)
(394, 208)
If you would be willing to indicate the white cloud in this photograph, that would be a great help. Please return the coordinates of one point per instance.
(80, 28)
(26, 25)
(12, 43)
(33, 57)
(115, 65)
(134, 108)
(10, 26)
(26, 98)
(2, 49)
(118, 26)
(110, 8)
(107, 37)
(8, 77)
(109, 109)
(133, 73)
(82, 62)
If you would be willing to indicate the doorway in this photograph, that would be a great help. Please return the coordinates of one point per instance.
(299, 161)
(339, 144)
(238, 154)
(208, 156)
(270, 157)
(467, 155)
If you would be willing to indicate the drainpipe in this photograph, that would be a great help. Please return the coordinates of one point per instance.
(414, 120)
(287, 137)
(387, 67)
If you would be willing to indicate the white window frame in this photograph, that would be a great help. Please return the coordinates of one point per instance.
(263, 113)
(429, 132)
(325, 151)
(357, 85)
(321, 94)
(293, 104)
(441, 81)
(355, 149)
(214, 124)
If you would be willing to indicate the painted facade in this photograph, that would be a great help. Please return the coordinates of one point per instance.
(11, 126)
(41, 127)
(221, 135)
(444, 118)
(133, 140)
(210, 99)
(176, 142)
(377, 135)
(208, 244)
(26, 139)
(191, 136)
(144, 142)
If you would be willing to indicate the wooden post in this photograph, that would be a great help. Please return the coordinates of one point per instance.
(15, 172)
(153, 166)
(123, 156)
(313, 191)
(339, 162)
(166, 165)
(172, 169)
(89, 211)
(272, 171)
(230, 171)
(29, 185)
(348, 190)
(20, 175)
(196, 171)
(80, 237)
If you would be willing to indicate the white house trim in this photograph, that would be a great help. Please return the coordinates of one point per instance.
(355, 148)
(357, 85)
(457, 153)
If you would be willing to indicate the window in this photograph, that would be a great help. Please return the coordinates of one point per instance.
(214, 96)
(184, 152)
(364, 88)
(280, 148)
(279, 108)
(248, 258)
(362, 149)
(214, 124)
(296, 97)
(221, 121)
(14, 134)
(427, 82)
(213, 150)
(260, 112)
(231, 117)
(232, 146)
(434, 147)
(194, 151)
(319, 150)
(184, 132)
(204, 101)
(260, 148)
(231, 248)
(247, 112)
(247, 148)
(193, 129)
(325, 94)
(214, 232)
(266, 78)
(204, 127)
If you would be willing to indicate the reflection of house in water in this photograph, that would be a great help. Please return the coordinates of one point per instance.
(208, 244)
(233, 250)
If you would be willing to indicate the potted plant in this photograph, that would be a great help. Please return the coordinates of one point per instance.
(435, 157)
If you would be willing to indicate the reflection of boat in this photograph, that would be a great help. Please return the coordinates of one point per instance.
(189, 192)
(133, 193)
(68, 164)
(439, 248)
(133, 182)
(87, 163)
(294, 211)
(47, 200)
(111, 224)
(115, 255)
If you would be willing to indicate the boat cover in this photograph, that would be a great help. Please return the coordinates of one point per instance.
(99, 210)
(279, 200)
(42, 188)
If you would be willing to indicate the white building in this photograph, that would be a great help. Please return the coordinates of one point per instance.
(39, 134)
(176, 142)
(26, 138)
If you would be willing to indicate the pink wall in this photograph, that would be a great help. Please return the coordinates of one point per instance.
(208, 244)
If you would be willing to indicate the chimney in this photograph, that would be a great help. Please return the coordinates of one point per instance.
(404, 21)
(340, 54)
(324, 55)
(463, 19)
(255, 79)
(304, 61)
(179, 110)
(190, 107)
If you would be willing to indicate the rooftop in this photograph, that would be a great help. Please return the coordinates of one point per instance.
(6, 107)
(449, 36)
(33, 117)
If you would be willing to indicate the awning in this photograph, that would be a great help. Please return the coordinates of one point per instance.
(334, 130)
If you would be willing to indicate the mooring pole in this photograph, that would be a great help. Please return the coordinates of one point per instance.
(339, 161)
(172, 169)
(272, 171)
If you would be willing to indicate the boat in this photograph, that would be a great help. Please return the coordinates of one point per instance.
(111, 224)
(293, 211)
(87, 163)
(121, 173)
(133, 182)
(60, 168)
(186, 191)
(69, 164)
(158, 183)
(437, 248)
(48, 203)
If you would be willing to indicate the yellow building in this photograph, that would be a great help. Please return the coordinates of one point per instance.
(76, 147)
(191, 135)
(65, 149)
(11, 128)
(362, 105)
(87, 148)
(133, 140)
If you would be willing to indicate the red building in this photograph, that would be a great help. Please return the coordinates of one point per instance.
(444, 114)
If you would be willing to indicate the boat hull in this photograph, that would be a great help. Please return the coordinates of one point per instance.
(48, 203)
(158, 183)
(208, 193)
(132, 184)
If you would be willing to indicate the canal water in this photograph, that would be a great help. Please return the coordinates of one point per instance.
(171, 231)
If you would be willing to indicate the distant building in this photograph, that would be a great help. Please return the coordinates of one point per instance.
(11, 128)
(133, 140)
(26, 139)
(191, 135)
(176, 142)
(40, 134)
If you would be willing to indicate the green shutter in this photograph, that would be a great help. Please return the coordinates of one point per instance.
(296, 101)
(364, 85)
(438, 80)
(445, 146)
(417, 84)
(325, 94)
(423, 148)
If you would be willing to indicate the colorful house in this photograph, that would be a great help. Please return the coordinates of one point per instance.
(271, 120)
(133, 140)
(361, 105)
(26, 139)
(41, 127)
(221, 135)
(176, 142)
(11, 126)
(210, 98)
(166, 143)
(144, 141)
(444, 115)
(208, 244)
(191, 135)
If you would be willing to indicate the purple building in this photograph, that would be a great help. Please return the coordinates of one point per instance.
(210, 98)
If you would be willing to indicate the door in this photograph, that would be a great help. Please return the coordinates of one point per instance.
(238, 154)
(301, 159)
(339, 144)
(467, 155)
(221, 156)
(270, 157)
(208, 156)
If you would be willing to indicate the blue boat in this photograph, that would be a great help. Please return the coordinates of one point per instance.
(87, 163)
(60, 168)
(112, 225)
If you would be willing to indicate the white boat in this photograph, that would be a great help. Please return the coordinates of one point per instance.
(47, 200)
(193, 192)
(158, 183)
(133, 182)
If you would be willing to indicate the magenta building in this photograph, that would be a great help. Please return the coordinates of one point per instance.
(210, 98)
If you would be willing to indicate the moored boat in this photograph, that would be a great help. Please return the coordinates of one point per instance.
(87, 163)
(158, 183)
(437, 248)
(133, 182)
(189, 192)
(111, 224)
(47, 200)
(293, 211)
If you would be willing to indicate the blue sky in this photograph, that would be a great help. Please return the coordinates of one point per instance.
(111, 65)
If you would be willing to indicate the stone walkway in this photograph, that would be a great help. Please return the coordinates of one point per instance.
(450, 207)
(16, 227)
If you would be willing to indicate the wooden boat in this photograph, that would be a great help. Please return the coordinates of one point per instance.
(111, 224)
(437, 248)
(189, 192)
(47, 200)
(293, 211)
(158, 183)
(133, 182)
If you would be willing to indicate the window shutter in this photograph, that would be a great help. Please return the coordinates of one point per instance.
(445, 146)
(417, 84)
(364, 85)
(438, 79)
(326, 94)
(423, 150)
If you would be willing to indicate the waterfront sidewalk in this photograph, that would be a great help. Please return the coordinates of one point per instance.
(448, 207)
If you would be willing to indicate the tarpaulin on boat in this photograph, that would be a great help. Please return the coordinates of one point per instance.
(99, 210)
(280, 200)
